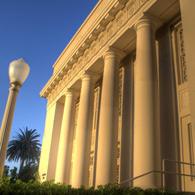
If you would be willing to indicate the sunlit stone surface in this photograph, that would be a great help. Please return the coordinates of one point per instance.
(121, 99)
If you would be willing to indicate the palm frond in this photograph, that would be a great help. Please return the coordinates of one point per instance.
(25, 146)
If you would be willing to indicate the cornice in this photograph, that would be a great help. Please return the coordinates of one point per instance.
(117, 14)
(88, 32)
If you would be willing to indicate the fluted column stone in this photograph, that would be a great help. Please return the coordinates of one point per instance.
(106, 152)
(144, 123)
(64, 156)
(81, 161)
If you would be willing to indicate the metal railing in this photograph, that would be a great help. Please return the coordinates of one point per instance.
(178, 163)
(162, 172)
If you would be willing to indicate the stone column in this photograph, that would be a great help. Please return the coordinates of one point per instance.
(144, 124)
(48, 159)
(107, 125)
(80, 164)
(64, 157)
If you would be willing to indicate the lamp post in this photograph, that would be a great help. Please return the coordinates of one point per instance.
(18, 72)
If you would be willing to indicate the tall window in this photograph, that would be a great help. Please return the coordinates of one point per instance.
(74, 136)
(120, 111)
(94, 131)
(184, 115)
(180, 54)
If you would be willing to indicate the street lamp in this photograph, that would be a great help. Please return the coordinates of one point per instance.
(18, 72)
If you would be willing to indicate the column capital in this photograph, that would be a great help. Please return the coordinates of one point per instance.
(88, 74)
(112, 52)
(69, 91)
(147, 20)
(85, 76)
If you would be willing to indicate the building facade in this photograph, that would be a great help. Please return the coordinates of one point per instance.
(120, 102)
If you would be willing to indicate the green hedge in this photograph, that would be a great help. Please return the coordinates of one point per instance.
(49, 188)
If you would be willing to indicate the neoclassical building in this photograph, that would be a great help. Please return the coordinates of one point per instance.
(121, 99)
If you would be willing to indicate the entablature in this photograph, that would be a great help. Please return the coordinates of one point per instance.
(115, 20)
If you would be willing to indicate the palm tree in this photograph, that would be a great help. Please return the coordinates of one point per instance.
(24, 147)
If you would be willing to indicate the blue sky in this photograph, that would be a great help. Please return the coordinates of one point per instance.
(38, 31)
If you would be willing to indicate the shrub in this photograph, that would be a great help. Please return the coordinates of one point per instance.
(50, 188)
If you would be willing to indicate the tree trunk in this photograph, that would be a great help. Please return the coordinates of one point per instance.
(21, 166)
